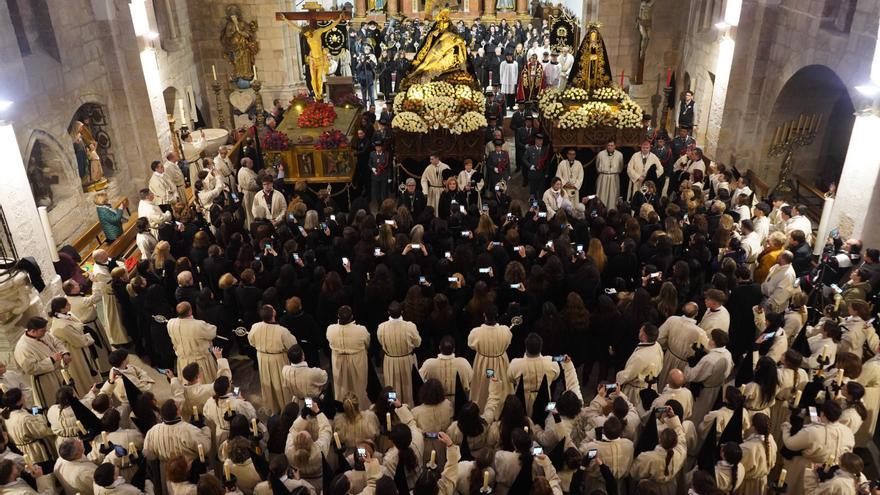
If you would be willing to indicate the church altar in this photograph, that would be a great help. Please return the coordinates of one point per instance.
(305, 160)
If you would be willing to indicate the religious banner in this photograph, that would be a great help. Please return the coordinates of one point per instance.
(563, 30)
(336, 39)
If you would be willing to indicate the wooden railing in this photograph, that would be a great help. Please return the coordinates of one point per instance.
(809, 195)
(762, 190)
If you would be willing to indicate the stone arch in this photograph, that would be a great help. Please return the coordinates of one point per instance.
(56, 184)
(810, 89)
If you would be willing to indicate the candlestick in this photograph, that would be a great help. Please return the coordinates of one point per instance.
(132, 449)
(255, 71)
(104, 438)
(254, 426)
(65, 376)
(214, 71)
(486, 479)
(196, 412)
(201, 453)
(336, 439)
(82, 428)
(182, 112)
(840, 377)
(782, 475)
(668, 77)
(388, 421)
(227, 471)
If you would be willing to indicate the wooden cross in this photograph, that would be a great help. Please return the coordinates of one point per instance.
(312, 14)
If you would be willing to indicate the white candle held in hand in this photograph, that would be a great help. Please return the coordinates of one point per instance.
(132, 449)
(486, 479)
(336, 439)
(214, 71)
(388, 421)
(782, 475)
(201, 453)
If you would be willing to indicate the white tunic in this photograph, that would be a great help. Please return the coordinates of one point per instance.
(608, 182)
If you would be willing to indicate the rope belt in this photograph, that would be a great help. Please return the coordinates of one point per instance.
(402, 355)
(492, 357)
(271, 353)
(676, 355)
(609, 173)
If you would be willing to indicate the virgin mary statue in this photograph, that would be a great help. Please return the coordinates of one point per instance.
(591, 69)
(443, 56)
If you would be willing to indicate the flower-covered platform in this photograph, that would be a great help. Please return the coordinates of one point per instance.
(581, 119)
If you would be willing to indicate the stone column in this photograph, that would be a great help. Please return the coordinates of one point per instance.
(522, 9)
(392, 8)
(360, 9)
(489, 9)
(859, 190)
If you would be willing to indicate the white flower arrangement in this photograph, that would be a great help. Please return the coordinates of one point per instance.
(439, 105)
(409, 122)
(629, 115)
(469, 122)
(576, 94)
(553, 110)
(609, 93)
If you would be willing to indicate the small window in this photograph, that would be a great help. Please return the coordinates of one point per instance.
(32, 24)
(837, 16)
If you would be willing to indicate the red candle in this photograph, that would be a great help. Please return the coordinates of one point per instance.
(621, 78)
(668, 77)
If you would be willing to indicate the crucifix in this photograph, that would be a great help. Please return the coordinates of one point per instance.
(318, 63)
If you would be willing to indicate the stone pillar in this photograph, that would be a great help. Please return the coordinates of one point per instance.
(522, 9)
(392, 8)
(360, 9)
(21, 213)
(859, 189)
(489, 9)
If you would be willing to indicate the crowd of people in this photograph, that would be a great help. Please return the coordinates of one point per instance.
(646, 339)
(379, 57)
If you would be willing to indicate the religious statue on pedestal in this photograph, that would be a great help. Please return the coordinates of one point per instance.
(376, 5)
(239, 40)
(443, 56)
(591, 69)
(504, 5)
(319, 62)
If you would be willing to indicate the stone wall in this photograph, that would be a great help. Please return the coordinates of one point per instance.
(99, 64)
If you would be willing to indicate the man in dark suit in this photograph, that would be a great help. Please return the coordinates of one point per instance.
(413, 198)
(215, 266)
(745, 296)
(524, 137)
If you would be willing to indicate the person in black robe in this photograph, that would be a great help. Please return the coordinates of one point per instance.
(159, 311)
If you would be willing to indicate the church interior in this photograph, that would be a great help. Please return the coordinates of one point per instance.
(785, 93)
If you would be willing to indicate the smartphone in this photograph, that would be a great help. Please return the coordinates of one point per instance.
(309, 402)
(161, 370)
(591, 197)
(835, 233)
(268, 245)
(431, 434)
(661, 410)
(836, 288)
(514, 286)
(236, 391)
(462, 209)
(392, 396)
(234, 196)
(550, 406)
(485, 208)
(377, 252)
(484, 270)
(290, 217)
(610, 387)
(415, 246)
(448, 255)
(465, 233)
(542, 214)
(389, 222)
(344, 260)
(323, 226)
(333, 217)
(362, 452)
(549, 244)
(558, 359)
(120, 451)
(496, 243)
(36, 410)
(591, 454)
(178, 224)
(257, 257)
(814, 417)
(580, 248)
(422, 280)
(295, 257)
(656, 274)
(490, 372)
(536, 451)
(611, 291)
(452, 279)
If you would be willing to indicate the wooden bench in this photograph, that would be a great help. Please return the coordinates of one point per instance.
(94, 237)
(760, 187)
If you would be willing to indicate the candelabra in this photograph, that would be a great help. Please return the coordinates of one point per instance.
(216, 86)
(788, 138)
(256, 85)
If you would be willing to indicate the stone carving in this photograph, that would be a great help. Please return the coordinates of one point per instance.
(240, 47)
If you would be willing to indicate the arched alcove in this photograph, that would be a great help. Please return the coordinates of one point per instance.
(814, 89)
(95, 129)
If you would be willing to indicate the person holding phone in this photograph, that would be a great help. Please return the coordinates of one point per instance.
(446, 367)
(249, 186)
(615, 451)
(269, 204)
(300, 379)
(818, 442)
(532, 369)
(222, 405)
(28, 431)
(663, 464)
(41, 355)
(644, 363)
(70, 331)
(74, 472)
(399, 340)
(516, 471)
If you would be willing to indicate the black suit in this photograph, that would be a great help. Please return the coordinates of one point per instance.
(742, 322)
(214, 269)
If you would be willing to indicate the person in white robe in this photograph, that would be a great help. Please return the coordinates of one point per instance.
(571, 172)
(609, 164)
(432, 181)
(638, 167)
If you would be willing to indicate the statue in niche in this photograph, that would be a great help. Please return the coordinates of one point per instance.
(40, 181)
(81, 142)
(376, 5)
(504, 5)
(239, 41)
(646, 8)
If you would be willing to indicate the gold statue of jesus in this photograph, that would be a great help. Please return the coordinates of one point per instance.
(318, 63)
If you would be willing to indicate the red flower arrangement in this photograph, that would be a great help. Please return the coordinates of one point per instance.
(317, 115)
(275, 141)
(331, 140)
(349, 99)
